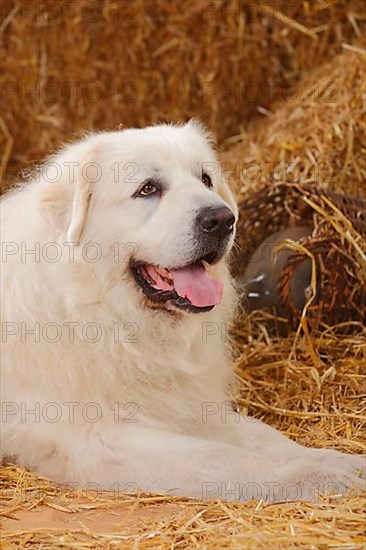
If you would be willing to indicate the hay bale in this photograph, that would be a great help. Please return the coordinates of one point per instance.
(318, 137)
(78, 65)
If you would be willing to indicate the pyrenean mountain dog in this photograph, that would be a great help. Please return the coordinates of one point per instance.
(115, 292)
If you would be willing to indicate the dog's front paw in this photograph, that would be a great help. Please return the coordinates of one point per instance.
(325, 472)
(352, 466)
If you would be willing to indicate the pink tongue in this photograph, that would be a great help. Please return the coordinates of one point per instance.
(192, 282)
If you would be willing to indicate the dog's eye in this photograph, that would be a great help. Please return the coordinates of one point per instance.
(207, 180)
(149, 189)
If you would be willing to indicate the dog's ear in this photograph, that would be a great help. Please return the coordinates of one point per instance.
(198, 126)
(65, 198)
(79, 211)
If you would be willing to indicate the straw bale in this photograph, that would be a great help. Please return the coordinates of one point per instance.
(317, 137)
(79, 65)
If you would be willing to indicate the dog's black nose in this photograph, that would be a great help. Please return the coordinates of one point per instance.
(218, 221)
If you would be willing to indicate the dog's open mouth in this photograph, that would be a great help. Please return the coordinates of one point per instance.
(189, 287)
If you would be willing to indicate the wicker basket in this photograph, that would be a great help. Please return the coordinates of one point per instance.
(332, 246)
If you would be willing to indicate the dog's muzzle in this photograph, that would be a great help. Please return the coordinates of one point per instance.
(189, 286)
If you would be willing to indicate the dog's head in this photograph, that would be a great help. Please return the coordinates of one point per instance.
(156, 204)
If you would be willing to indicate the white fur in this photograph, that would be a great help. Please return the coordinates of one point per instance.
(171, 432)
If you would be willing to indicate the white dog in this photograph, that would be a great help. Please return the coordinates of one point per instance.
(115, 292)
